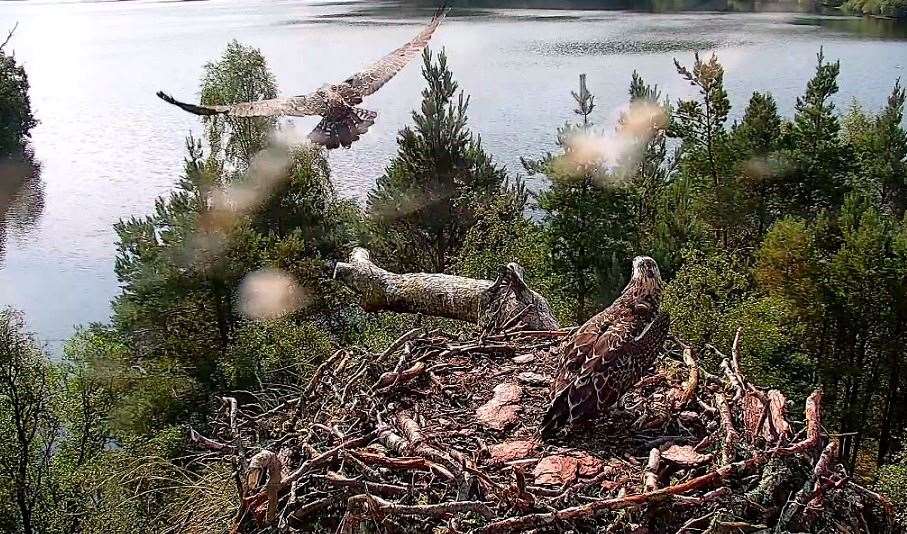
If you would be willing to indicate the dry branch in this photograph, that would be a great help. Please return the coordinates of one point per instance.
(395, 443)
(444, 295)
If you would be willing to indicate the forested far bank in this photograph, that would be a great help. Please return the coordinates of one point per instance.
(792, 227)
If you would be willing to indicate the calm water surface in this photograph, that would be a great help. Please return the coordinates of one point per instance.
(108, 147)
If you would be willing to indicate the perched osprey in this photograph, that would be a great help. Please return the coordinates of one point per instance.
(609, 353)
(343, 123)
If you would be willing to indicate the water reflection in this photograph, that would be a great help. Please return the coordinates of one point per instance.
(21, 196)
(476, 7)
(862, 27)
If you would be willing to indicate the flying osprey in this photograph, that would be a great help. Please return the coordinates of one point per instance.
(609, 353)
(342, 122)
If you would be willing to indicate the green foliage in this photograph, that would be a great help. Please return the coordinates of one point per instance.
(880, 149)
(240, 75)
(702, 294)
(708, 158)
(891, 481)
(818, 161)
(126, 395)
(502, 235)
(794, 230)
(843, 278)
(648, 168)
(181, 268)
(433, 191)
(587, 223)
(756, 142)
(279, 351)
(884, 8)
(29, 428)
(142, 486)
(16, 119)
(700, 123)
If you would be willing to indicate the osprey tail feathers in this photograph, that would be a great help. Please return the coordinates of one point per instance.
(333, 132)
(577, 400)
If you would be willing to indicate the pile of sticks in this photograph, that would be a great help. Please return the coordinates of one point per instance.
(437, 433)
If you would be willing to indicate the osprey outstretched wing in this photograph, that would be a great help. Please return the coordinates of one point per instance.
(609, 353)
(343, 123)
(369, 80)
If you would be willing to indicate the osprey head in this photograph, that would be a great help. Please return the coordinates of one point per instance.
(645, 270)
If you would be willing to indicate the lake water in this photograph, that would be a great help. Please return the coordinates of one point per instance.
(108, 147)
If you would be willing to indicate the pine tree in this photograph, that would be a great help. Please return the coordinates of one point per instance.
(817, 162)
(700, 123)
(880, 149)
(587, 222)
(756, 142)
(707, 159)
(843, 276)
(433, 191)
(759, 131)
(16, 119)
(648, 167)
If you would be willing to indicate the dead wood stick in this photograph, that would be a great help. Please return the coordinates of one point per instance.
(393, 441)
(9, 35)
(309, 508)
(208, 443)
(352, 380)
(739, 387)
(822, 471)
(530, 334)
(327, 456)
(417, 445)
(731, 436)
(388, 380)
(650, 474)
(436, 294)
(378, 506)
(595, 508)
(277, 409)
(606, 473)
(516, 318)
(232, 411)
(778, 413)
(313, 384)
(689, 387)
(399, 342)
(319, 373)
(735, 358)
(265, 462)
(884, 501)
(716, 494)
(362, 486)
(406, 463)
(813, 415)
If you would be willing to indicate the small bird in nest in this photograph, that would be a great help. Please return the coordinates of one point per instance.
(343, 121)
(610, 352)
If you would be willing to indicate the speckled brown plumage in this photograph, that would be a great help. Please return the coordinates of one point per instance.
(610, 352)
(343, 123)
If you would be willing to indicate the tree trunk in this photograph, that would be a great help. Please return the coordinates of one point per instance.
(485, 302)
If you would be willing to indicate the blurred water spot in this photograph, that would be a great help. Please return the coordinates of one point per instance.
(270, 294)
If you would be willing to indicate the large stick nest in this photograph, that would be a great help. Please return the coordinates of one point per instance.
(438, 434)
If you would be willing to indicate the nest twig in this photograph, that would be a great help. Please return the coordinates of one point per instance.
(405, 441)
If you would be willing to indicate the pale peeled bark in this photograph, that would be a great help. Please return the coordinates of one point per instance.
(444, 295)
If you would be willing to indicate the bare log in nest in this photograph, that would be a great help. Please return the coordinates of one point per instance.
(507, 300)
